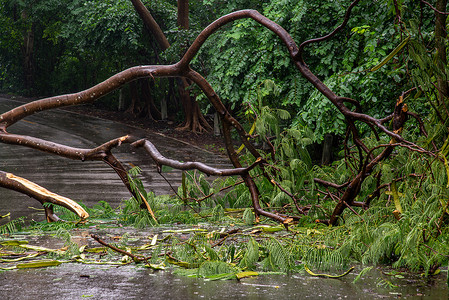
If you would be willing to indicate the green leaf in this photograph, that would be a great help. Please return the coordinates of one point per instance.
(397, 201)
(39, 264)
(251, 255)
(246, 274)
(362, 273)
(391, 55)
(160, 266)
(14, 243)
(327, 275)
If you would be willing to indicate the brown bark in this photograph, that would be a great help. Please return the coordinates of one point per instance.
(440, 44)
(183, 14)
(27, 49)
(24, 186)
(194, 119)
(151, 24)
(161, 160)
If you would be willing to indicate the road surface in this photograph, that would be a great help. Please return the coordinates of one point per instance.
(88, 182)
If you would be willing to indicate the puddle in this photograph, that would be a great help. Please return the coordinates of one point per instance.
(76, 281)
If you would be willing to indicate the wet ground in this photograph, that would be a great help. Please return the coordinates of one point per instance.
(78, 281)
(71, 281)
(91, 182)
(88, 182)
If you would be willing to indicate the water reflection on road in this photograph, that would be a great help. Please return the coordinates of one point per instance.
(78, 281)
(70, 281)
(88, 182)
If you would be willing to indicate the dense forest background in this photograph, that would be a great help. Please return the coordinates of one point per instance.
(49, 48)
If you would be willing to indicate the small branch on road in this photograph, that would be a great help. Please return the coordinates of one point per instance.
(134, 257)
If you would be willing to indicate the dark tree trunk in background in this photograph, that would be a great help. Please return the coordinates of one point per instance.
(440, 44)
(27, 50)
(150, 108)
(194, 119)
(183, 14)
(132, 108)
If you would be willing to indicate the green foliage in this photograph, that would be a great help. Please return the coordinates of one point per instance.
(251, 255)
(362, 273)
(278, 257)
(248, 216)
(12, 226)
(72, 248)
(81, 42)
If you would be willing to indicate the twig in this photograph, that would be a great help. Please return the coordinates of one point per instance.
(220, 241)
(134, 257)
(435, 251)
(430, 5)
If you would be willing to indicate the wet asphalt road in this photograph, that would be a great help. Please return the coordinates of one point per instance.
(88, 182)
(81, 281)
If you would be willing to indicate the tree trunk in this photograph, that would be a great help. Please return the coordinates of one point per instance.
(150, 107)
(440, 44)
(194, 119)
(27, 55)
(183, 14)
(132, 109)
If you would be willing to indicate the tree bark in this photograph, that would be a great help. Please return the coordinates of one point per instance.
(440, 44)
(151, 24)
(24, 186)
(183, 14)
(194, 119)
(27, 49)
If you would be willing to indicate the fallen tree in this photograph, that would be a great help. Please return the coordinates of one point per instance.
(348, 107)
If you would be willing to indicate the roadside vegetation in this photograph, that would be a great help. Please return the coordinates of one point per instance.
(373, 92)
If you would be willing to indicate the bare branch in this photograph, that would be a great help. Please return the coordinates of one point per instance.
(163, 161)
(24, 186)
(88, 95)
(134, 257)
(433, 8)
(328, 36)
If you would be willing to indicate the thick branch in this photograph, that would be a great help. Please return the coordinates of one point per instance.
(151, 24)
(97, 153)
(86, 96)
(24, 186)
(163, 161)
(100, 153)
